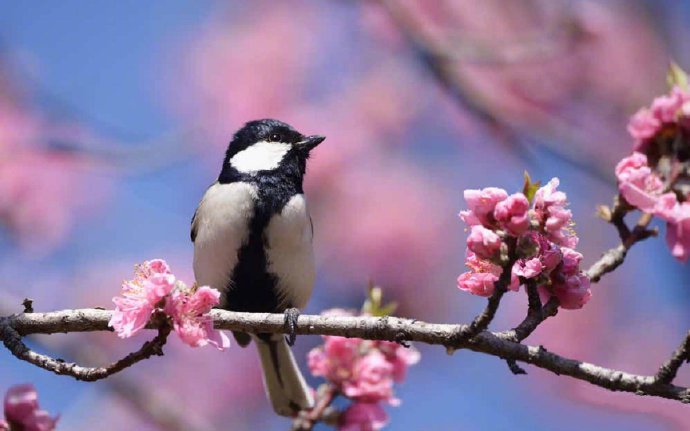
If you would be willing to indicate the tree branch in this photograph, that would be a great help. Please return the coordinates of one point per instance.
(530, 323)
(151, 406)
(321, 412)
(667, 372)
(482, 321)
(535, 315)
(374, 328)
(614, 257)
(12, 339)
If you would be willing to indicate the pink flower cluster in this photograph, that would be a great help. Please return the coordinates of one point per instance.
(155, 289)
(543, 235)
(643, 188)
(668, 110)
(363, 371)
(23, 413)
(640, 180)
(362, 416)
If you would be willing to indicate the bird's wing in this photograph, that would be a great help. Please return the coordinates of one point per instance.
(192, 233)
(195, 227)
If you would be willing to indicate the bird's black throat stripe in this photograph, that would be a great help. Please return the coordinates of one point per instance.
(252, 287)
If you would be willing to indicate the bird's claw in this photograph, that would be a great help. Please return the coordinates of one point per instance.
(291, 315)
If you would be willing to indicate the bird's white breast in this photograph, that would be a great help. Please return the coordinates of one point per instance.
(289, 252)
(221, 224)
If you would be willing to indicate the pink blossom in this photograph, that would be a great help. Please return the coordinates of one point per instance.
(318, 363)
(401, 357)
(482, 277)
(546, 257)
(568, 283)
(665, 108)
(643, 126)
(550, 255)
(483, 242)
(647, 122)
(573, 292)
(189, 311)
(372, 379)
(363, 371)
(545, 242)
(528, 268)
(335, 360)
(667, 207)
(22, 410)
(678, 230)
(558, 219)
(571, 260)
(477, 283)
(638, 185)
(550, 212)
(481, 205)
(361, 416)
(512, 213)
(548, 196)
(152, 282)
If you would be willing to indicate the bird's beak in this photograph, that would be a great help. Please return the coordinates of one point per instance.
(310, 142)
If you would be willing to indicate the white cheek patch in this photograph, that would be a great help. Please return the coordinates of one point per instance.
(262, 156)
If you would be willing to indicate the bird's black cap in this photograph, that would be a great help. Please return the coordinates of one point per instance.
(271, 131)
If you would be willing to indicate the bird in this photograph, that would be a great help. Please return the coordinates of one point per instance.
(252, 235)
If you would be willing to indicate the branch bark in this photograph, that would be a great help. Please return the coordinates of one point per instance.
(614, 257)
(482, 321)
(12, 339)
(667, 372)
(375, 328)
(322, 411)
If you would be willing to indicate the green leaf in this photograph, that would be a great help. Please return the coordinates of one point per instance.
(373, 305)
(677, 76)
(529, 189)
(388, 309)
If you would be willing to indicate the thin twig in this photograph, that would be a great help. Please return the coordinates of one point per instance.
(13, 341)
(375, 328)
(536, 314)
(615, 257)
(667, 372)
(307, 419)
(530, 323)
(481, 322)
(150, 405)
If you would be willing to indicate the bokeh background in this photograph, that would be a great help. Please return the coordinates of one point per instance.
(114, 117)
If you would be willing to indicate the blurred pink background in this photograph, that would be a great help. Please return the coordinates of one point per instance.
(114, 118)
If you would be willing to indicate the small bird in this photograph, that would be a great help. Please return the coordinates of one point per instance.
(252, 236)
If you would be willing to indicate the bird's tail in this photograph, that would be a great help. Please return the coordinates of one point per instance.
(283, 381)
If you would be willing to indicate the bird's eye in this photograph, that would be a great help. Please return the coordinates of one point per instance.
(276, 137)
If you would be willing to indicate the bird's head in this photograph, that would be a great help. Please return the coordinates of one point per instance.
(265, 147)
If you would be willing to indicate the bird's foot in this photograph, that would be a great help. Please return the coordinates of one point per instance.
(291, 315)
